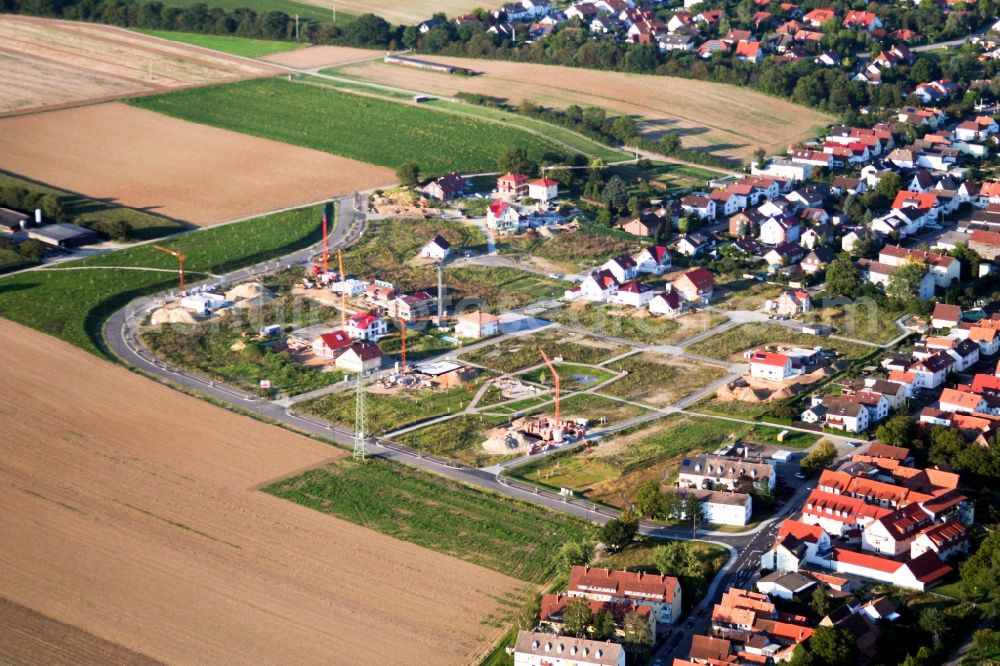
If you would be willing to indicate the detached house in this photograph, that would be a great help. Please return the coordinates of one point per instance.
(623, 267)
(437, 248)
(668, 304)
(514, 184)
(654, 260)
(366, 326)
(503, 218)
(634, 294)
(446, 188)
(597, 287)
(777, 230)
(696, 286)
(702, 206)
(543, 190)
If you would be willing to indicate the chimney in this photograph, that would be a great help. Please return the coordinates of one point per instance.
(38, 216)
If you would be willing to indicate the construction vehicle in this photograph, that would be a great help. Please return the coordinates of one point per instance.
(181, 257)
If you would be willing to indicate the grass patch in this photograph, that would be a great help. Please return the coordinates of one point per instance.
(460, 438)
(675, 435)
(514, 538)
(572, 377)
(660, 380)
(577, 471)
(633, 324)
(503, 287)
(241, 46)
(364, 128)
(520, 352)
(90, 212)
(872, 322)
(674, 176)
(734, 408)
(569, 251)
(310, 12)
(74, 304)
(744, 337)
(744, 294)
(594, 407)
(386, 413)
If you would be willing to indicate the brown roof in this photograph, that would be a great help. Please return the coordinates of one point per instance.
(623, 584)
(706, 647)
(947, 312)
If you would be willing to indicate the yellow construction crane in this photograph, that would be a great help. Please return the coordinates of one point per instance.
(180, 261)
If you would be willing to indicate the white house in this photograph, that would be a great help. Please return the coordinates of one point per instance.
(784, 585)
(653, 260)
(634, 294)
(944, 269)
(703, 206)
(668, 304)
(330, 345)
(598, 287)
(798, 543)
(438, 249)
(502, 217)
(770, 366)
(843, 413)
(547, 649)
(892, 534)
(365, 326)
(703, 471)
(360, 356)
(931, 372)
(779, 230)
(543, 190)
(623, 267)
(476, 325)
(946, 539)
(203, 304)
(721, 508)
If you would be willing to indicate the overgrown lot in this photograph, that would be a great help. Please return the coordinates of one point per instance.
(747, 336)
(660, 380)
(632, 324)
(371, 130)
(569, 251)
(504, 535)
(520, 352)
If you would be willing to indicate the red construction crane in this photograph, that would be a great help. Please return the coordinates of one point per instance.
(180, 260)
(326, 251)
(555, 379)
(343, 285)
(402, 336)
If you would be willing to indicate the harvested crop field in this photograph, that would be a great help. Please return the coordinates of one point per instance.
(50, 63)
(725, 120)
(132, 514)
(181, 170)
(322, 56)
(395, 11)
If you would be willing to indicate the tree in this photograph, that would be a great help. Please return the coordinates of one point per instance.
(575, 553)
(980, 575)
(576, 617)
(759, 155)
(897, 431)
(408, 174)
(604, 218)
(969, 260)
(946, 445)
(619, 532)
(603, 626)
(842, 278)
(820, 457)
(638, 633)
(833, 647)
(867, 245)
(516, 160)
(31, 249)
(51, 206)
(677, 558)
(692, 511)
(801, 656)
(933, 621)
(904, 283)
(820, 602)
(648, 499)
(615, 194)
(669, 143)
(623, 129)
(641, 58)
(889, 184)
(527, 615)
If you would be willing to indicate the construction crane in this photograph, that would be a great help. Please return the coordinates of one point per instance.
(343, 290)
(180, 261)
(555, 380)
(402, 336)
(326, 250)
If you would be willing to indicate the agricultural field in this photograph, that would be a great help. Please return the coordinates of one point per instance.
(73, 300)
(49, 63)
(518, 539)
(322, 56)
(367, 129)
(149, 162)
(520, 352)
(675, 177)
(660, 380)
(406, 13)
(724, 120)
(311, 11)
(633, 324)
(154, 482)
(732, 343)
(241, 46)
(389, 412)
(92, 212)
(568, 251)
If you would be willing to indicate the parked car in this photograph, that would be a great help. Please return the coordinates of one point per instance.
(800, 475)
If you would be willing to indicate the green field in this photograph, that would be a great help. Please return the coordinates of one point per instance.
(504, 535)
(672, 436)
(569, 251)
(73, 304)
(90, 212)
(386, 413)
(594, 407)
(873, 322)
(501, 287)
(572, 377)
(659, 380)
(362, 128)
(744, 294)
(460, 438)
(674, 176)
(625, 322)
(310, 12)
(520, 352)
(241, 46)
(748, 336)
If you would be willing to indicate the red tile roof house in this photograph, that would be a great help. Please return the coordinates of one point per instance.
(661, 593)
(634, 294)
(770, 366)
(366, 326)
(597, 287)
(916, 574)
(946, 539)
(360, 357)
(543, 190)
(331, 345)
(515, 184)
(946, 316)
(446, 188)
(796, 545)
(553, 606)
(696, 286)
(653, 260)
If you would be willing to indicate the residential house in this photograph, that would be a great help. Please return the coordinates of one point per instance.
(366, 326)
(634, 294)
(476, 325)
(667, 303)
(985, 243)
(514, 184)
(749, 51)
(946, 316)
(623, 267)
(360, 357)
(661, 593)
(691, 245)
(545, 649)
(944, 269)
(702, 206)
(503, 218)
(817, 260)
(784, 254)
(892, 534)
(778, 230)
(770, 366)
(653, 260)
(331, 345)
(946, 539)
(930, 372)
(696, 286)
(953, 400)
(817, 17)
(553, 607)
(411, 307)
(705, 471)
(916, 574)
(437, 249)
(842, 413)
(879, 273)
(543, 190)
(647, 225)
(446, 188)
(797, 544)
(936, 91)
(597, 287)
(862, 20)
(790, 303)
(719, 507)
(978, 129)
(784, 585)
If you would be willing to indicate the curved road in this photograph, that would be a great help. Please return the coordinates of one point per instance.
(121, 337)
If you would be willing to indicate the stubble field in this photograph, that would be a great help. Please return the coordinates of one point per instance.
(395, 11)
(180, 170)
(133, 515)
(49, 63)
(725, 120)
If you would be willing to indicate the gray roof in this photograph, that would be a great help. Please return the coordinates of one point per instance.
(61, 232)
(11, 218)
(568, 649)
